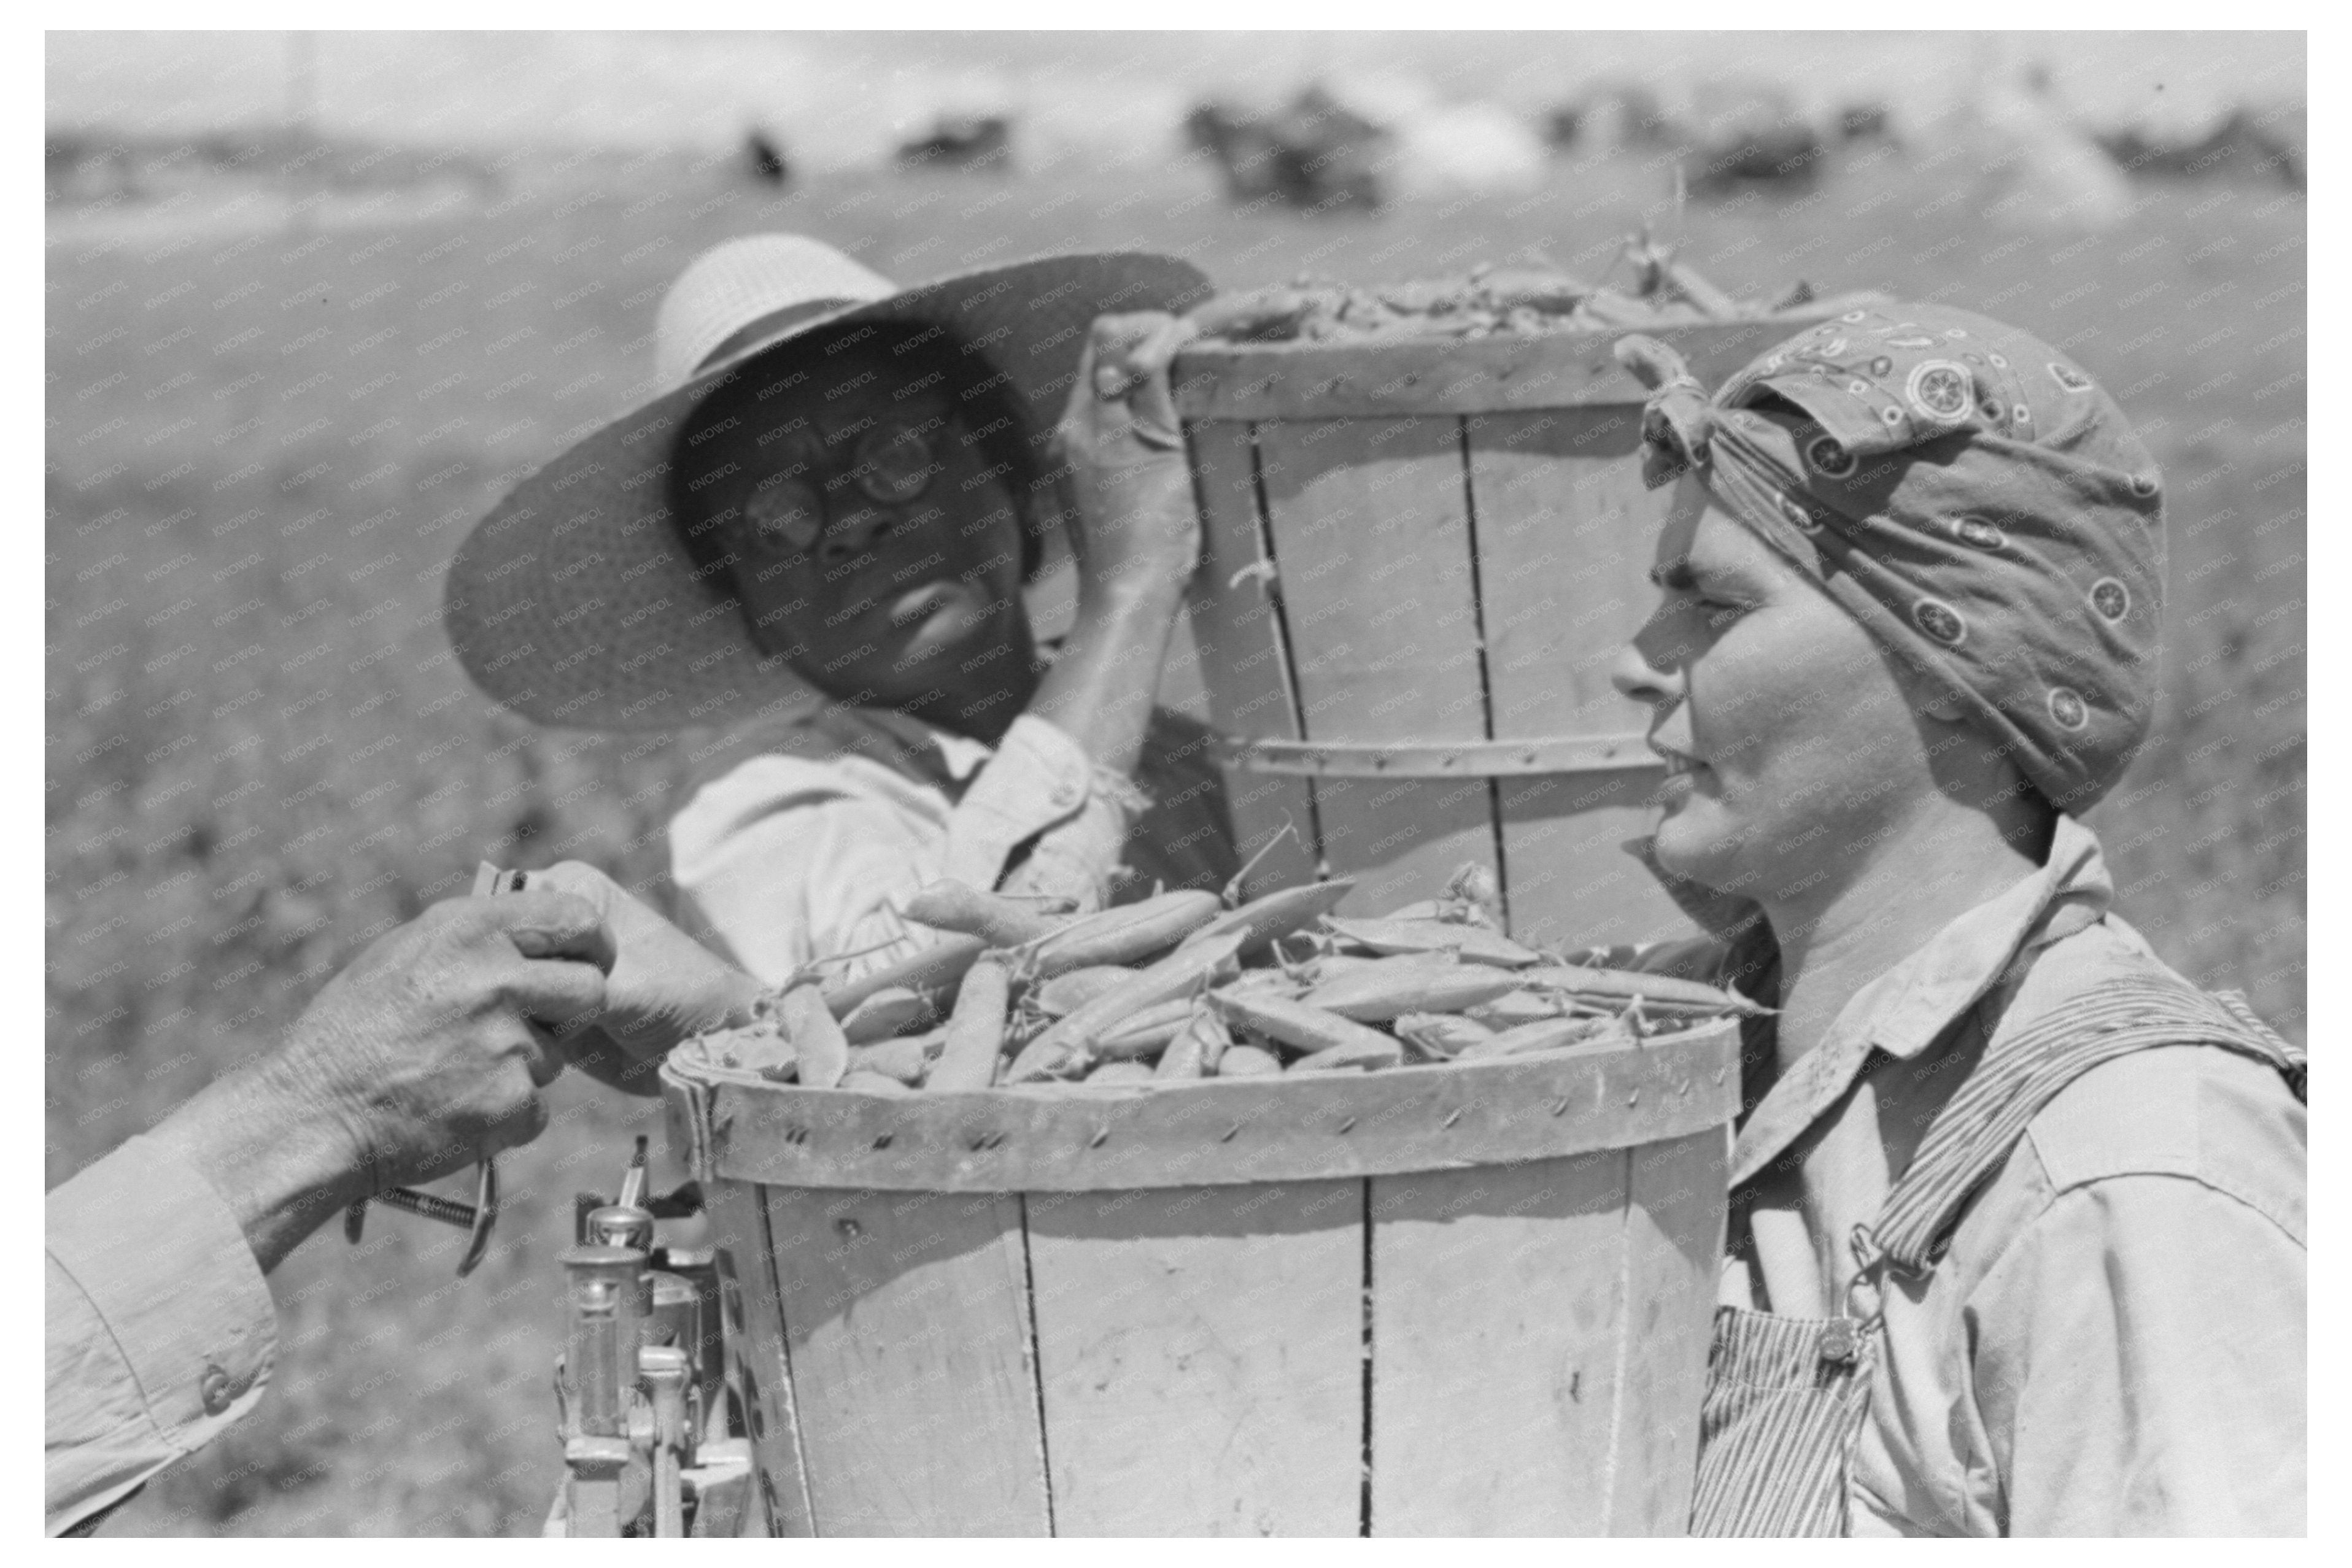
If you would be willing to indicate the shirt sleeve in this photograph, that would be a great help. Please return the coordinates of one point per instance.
(2140, 1365)
(160, 1330)
(1040, 786)
(783, 860)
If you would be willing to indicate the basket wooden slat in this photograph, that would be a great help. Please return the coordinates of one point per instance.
(1673, 1250)
(907, 1335)
(1165, 1319)
(1564, 525)
(1368, 518)
(739, 1225)
(1250, 677)
(1468, 1267)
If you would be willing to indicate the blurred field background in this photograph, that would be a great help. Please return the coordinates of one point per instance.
(268, 426)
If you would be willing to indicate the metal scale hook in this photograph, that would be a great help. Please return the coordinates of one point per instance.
(483, 1213)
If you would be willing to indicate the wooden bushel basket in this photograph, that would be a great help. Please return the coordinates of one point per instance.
(1468, 1301)
(1422, 558)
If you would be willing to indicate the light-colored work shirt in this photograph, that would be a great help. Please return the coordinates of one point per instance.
(2113, 1343)
(803, 837)
(158, 1326)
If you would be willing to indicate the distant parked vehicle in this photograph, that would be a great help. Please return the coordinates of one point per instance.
(2241, 141)
(766, 157)
(1313, 154)
(971, 142)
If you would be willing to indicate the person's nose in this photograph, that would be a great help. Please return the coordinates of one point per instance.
(851, 522)
(1649, 667)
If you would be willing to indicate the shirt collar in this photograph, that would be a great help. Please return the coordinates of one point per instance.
(1906, 1009)
(942, 754)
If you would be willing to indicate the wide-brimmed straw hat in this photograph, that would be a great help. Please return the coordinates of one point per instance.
(574, 601)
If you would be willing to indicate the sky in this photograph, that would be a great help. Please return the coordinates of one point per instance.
(840, 99)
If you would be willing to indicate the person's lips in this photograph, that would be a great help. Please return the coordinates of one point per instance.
(1683, 774)
(918, 605)
(1677, 762)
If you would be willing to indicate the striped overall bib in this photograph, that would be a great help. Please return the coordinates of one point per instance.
(1787, 1395)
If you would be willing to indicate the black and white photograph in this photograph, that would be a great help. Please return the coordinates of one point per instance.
(1319, 777)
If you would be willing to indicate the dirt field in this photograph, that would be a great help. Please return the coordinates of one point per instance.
(263, 446)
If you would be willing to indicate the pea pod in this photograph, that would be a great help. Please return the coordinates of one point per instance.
(904, 1058)
(1368, 1055)
(1410, 984)
(808, 1022)
(1123, 934)
(1195, 1051)
(1247, 1061)
(889, 1012)
(1146, 1034)
(868, 1083)
(1549, 1034)
(934, 970)
(1624, 984)
(1298, 1025)
(1068, 1046)
(1067, 992)
(1120, 1072)
(975, 1037)
(1440, 1035)
(1475, 944)
(951, 906)
(1261, 922)
(1515, 1008)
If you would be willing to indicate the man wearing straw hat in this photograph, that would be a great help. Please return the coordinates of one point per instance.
(818, 534)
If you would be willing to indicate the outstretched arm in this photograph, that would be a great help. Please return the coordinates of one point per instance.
(428, 1051)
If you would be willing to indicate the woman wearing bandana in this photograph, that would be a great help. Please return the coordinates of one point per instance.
(2017, 1239)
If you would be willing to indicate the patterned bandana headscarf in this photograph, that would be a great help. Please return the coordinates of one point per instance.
(1968, 495)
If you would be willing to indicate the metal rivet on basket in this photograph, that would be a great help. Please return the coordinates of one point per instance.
(847, 1226)
(883, 1141)
(1102, 1136)
(1345, 1125)
(1227, 1135)
(1633, 1094)
(1559, 1106)
(1457, 1116)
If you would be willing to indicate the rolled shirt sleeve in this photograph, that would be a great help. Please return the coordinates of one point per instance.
(2158, 1390)
(1042, 786)
(159, 1326)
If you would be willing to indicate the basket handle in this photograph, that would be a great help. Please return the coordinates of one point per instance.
(1628, 753)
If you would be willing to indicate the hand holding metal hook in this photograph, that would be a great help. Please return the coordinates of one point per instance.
(483, 1213)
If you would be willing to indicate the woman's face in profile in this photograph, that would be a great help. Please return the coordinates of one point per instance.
(1789, 738)
(873, 547)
